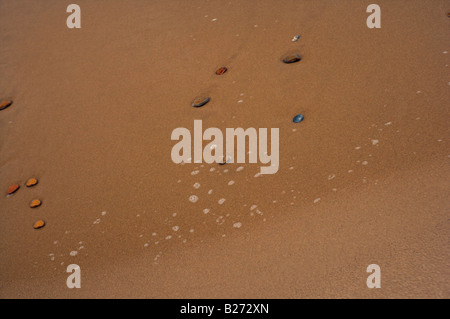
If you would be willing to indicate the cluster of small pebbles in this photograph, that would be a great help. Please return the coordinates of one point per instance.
(34, 203)
(200, 101)
(29, 183)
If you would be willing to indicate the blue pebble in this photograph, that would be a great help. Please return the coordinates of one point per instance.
(298, 118)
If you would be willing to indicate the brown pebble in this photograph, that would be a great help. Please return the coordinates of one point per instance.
(39, 224)
(31, 182)
(221, 70)
(200, 101)
(12, 189)
(292, 58)
(35, 203)
(5, 104)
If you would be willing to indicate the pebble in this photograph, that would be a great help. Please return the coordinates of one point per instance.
(32, 182)
(39, 224)
(298, 118)
(35, 203)
(200, 101)
(225, 160)
(12, 189)
(221, 70)
(292, 58)
(5, 104)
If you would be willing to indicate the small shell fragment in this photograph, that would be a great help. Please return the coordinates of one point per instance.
(5, 104)
(35, 203)
(39, 224)
(12, 189)
(292, 58)
(32, 182)
(221, 70)
(200, 101)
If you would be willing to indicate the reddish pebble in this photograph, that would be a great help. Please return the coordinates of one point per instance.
(12, 189)
(221, 71)
(5, 104)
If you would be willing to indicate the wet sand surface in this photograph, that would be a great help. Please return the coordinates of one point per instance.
(363, 179)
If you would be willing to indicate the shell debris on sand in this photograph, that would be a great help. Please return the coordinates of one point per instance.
(35, 203)
(5, 104)
(13, 188)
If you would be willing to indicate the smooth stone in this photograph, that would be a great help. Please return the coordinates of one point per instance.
(5, 104)
(35, 203)
(39, 224)
(32, 182)
(200, 101)
(298, 118)
(221, 70)
(12, 189)
(292, 58)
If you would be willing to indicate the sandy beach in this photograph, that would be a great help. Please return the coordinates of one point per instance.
(363, 179)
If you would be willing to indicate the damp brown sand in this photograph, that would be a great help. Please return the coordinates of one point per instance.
(94, 118)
